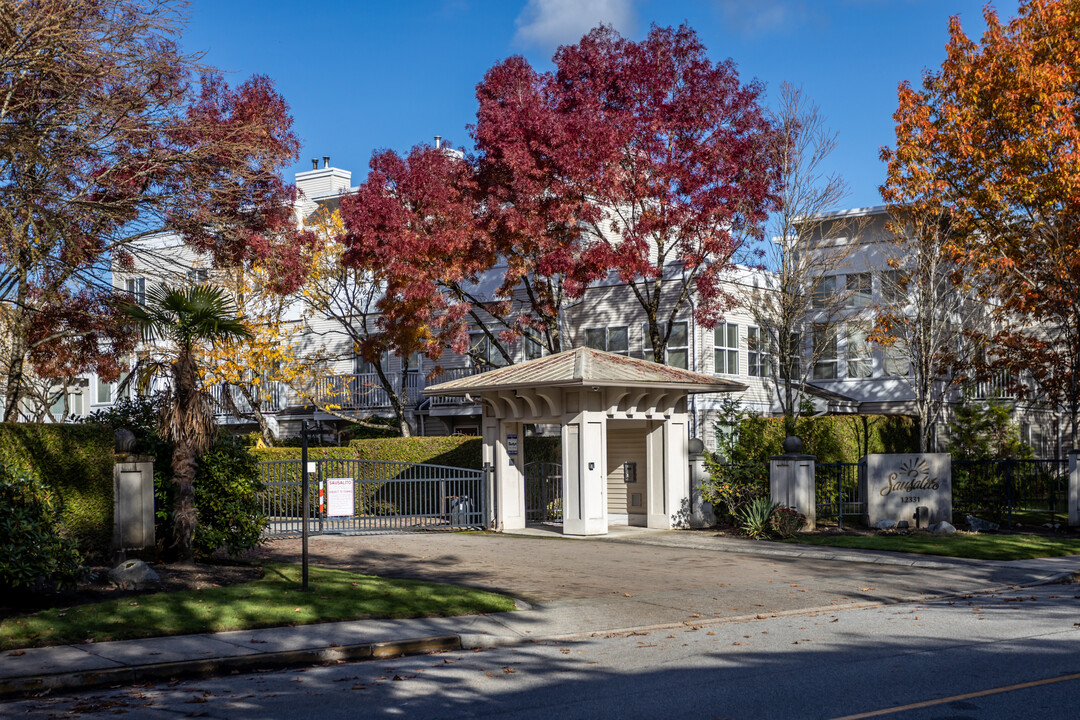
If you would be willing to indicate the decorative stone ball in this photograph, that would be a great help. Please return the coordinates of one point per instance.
(792, 445)
(125, 441)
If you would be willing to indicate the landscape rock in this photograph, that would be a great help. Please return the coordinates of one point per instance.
(134, 575)
(980, 525)
(885, 524)
(943, 527)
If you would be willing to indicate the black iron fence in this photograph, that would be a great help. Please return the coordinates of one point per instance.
(1031, 492)
(543, 492)
(838, 491)
(348, 495)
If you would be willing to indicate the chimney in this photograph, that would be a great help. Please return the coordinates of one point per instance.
(438, 141)
(314, 163)
(325, 161)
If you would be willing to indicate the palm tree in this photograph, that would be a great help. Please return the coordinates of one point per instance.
(186, 319)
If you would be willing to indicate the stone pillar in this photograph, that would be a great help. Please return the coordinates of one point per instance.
(791, 483)
(133, 503)
(1074, 488)
(701, 512)
(584, 455)
(510, 476)
(667, 498)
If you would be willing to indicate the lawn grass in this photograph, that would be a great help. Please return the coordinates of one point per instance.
(274, 600)
(961, 545)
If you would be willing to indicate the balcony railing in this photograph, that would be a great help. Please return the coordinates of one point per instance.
(269, 397)
(361, 391)
(1000, 386)
(454, 374)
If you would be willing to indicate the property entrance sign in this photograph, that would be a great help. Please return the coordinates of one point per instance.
(511, 444)
(339, 497)
(894, 485)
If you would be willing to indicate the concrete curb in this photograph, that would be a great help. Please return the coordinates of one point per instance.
(207, 667)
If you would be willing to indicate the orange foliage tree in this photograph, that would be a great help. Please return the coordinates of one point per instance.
(994, 137)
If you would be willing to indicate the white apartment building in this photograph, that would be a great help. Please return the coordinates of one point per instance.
(852, 377)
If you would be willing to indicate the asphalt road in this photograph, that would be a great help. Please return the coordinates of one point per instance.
(1010, 655)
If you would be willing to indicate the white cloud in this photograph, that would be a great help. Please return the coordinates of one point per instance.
(549, 23)
(754, 18)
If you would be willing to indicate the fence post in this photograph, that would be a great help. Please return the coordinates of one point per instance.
(1010, 490)
(1074, 488)
(839, 497)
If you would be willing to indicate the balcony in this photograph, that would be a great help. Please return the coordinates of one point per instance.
(1000, 386)
(454, 374)
(269, 397)
(364, 392)
(361, 392)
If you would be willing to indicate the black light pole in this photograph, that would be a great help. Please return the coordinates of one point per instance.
(305, 485)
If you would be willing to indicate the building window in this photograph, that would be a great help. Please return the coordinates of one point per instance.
(613, 339)
(824, 337)
(73, 408)
(533, 349)
(860, 361)
(893, 287)
(362, 366)
(757, 353)
(136, 288)
(859, 290)
(726, 349)
(198, 276)
(104, 392)
(676, 353)
(895, 361)
(483, 352)
(824, 292)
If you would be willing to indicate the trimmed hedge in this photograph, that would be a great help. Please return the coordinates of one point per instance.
(77, 462)
(832, 438)
(463, 452)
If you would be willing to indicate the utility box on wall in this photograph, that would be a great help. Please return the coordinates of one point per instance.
(133, 503)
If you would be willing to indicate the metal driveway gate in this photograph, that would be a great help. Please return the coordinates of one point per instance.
(386, 496)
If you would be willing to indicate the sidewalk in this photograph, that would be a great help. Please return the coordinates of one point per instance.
(74, 667)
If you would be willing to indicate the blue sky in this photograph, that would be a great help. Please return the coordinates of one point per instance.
(366, 75)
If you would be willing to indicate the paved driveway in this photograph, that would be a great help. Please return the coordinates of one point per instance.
(639, 583)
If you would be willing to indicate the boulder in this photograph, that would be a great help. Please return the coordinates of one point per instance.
(134, 575)
(885, 524)
(943, 527)
(980, 525)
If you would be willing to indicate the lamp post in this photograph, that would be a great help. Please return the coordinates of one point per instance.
(304, 487)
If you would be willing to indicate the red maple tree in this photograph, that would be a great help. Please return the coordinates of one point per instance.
(111, 134)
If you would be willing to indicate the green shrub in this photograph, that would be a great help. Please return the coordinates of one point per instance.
(734, 485)
(830, 438)
(786, 521)
(76, 462)
(33, 555)
(754, 520)
(227, 489)
(984, 430)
